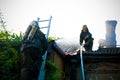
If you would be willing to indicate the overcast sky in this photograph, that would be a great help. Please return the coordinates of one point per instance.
(68, 15)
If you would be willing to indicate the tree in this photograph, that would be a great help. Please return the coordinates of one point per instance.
(9, 53)
(2, 22)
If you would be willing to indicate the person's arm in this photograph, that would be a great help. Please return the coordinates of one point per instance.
(89, 37)
(44, 42)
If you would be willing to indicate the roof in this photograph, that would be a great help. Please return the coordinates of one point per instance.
(68, 48)
(71, 46)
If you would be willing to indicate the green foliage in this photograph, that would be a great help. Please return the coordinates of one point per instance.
(52, 72)
(2, 22)
(53, 38)
(9, 55)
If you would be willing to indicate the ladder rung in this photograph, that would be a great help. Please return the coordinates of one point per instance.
(42, 68)
(43, 27)
(43, 20)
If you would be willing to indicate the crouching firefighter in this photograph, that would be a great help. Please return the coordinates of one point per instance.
(34, 45)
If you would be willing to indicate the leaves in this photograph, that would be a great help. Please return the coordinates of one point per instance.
(53, 38)
(52, 72)
(9, 55)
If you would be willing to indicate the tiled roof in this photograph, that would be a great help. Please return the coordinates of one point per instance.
(71, 48)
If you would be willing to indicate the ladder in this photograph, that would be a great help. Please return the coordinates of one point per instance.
(42, 69)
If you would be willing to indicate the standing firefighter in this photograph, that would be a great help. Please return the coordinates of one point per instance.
(34, 45)
(86, 36)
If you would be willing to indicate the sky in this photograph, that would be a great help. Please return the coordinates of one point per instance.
(68, 16)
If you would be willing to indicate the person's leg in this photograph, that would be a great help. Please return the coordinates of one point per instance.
(26, 74)
(26, 59)
(37, 58)
(31, 63)
(86, 47)
(90, 46)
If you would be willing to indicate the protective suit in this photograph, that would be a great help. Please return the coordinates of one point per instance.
(86, 36)
(34, 45)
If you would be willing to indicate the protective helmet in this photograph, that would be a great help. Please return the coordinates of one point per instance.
(34, 23)
(84, 27)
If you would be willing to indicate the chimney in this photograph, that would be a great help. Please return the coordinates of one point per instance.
(110, 33)
(110, 40)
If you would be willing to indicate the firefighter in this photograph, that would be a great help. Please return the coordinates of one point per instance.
(34, 45)
(86, 36)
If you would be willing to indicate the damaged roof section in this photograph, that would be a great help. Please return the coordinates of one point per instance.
(68, 50)
(68, 46)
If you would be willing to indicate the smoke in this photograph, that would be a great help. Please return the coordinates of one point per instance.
(68, 44)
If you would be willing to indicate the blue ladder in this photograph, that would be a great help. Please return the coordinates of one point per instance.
(42, 69)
